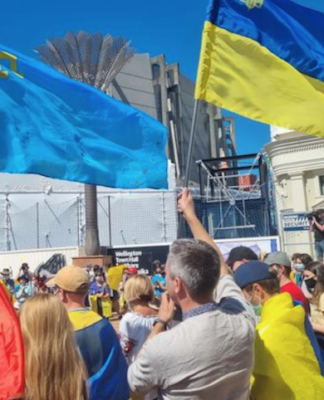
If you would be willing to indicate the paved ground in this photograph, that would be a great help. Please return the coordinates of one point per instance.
(115, 321)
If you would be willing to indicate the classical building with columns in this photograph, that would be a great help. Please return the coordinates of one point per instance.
(297, 162)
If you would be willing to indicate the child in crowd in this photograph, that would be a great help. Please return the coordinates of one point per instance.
(138, 323)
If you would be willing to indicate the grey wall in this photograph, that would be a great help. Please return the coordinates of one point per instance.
(134, 85)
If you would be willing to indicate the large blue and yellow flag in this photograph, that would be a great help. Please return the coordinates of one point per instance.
(57, 127)
(264, 59)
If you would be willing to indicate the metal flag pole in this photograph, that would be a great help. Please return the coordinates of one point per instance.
(189, 156)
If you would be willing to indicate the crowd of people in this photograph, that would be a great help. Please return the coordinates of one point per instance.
(200, 328)
(25, 285)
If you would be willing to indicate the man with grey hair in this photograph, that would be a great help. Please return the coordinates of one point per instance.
(210, 354)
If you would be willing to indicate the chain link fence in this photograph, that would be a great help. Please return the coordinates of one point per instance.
(124, 218)
(234, 219)
(137, 218)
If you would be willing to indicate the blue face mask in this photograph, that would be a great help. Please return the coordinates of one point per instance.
(299, 268)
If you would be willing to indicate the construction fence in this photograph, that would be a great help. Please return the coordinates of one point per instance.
(125, 218)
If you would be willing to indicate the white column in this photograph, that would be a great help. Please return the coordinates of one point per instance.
(297, 191)
(298, 242)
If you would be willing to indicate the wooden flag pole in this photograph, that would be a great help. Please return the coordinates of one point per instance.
(189, 156)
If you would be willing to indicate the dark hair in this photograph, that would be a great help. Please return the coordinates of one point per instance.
(319, 287)
(97, 268)
(270, 286)
(313, 266)
(295, 256)
(287, 270)
(305, 258)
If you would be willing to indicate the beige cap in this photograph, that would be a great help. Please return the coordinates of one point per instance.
(70, 278)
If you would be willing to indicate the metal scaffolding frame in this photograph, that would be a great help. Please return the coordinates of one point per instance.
(223, 181)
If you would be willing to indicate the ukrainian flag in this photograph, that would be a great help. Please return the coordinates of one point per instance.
(264, 59)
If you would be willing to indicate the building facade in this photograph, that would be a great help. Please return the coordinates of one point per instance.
(161, 90)
(298, 167)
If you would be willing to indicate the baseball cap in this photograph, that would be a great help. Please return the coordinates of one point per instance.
(280, 258)
(70, 279)
(5, 271)
(240, 253)
(252, 272)
(131, 271)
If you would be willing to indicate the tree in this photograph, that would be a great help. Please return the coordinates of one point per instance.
(96, 60)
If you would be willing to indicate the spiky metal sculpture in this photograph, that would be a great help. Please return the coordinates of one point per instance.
(90, 58)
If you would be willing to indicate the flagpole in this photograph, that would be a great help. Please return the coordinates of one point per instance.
(189, 156)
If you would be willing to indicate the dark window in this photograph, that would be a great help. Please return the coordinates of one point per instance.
(321, 179)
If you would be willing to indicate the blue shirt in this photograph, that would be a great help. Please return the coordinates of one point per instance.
(158, 278)
(95, 289)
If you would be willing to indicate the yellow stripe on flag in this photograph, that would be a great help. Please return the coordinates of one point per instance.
(241, 75)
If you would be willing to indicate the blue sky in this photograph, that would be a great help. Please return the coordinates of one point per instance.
(170, 27)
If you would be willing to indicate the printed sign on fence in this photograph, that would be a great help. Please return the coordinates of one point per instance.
(295, 222)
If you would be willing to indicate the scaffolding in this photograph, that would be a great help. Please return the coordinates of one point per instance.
(236, 193)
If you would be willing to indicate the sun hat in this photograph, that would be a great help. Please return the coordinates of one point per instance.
(5, 271)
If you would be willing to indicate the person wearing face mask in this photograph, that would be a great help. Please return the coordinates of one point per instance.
(309, 279)
(288, 363)
(315, 284)
(100, 296)
(298, 265)
(281, 265)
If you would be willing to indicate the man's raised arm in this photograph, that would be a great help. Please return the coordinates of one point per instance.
(187, 209)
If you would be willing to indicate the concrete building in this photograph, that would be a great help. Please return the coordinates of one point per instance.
(161, 90)
(298, 168)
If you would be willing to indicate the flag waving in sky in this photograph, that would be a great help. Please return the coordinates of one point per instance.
(264, 59)
(60, 128)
